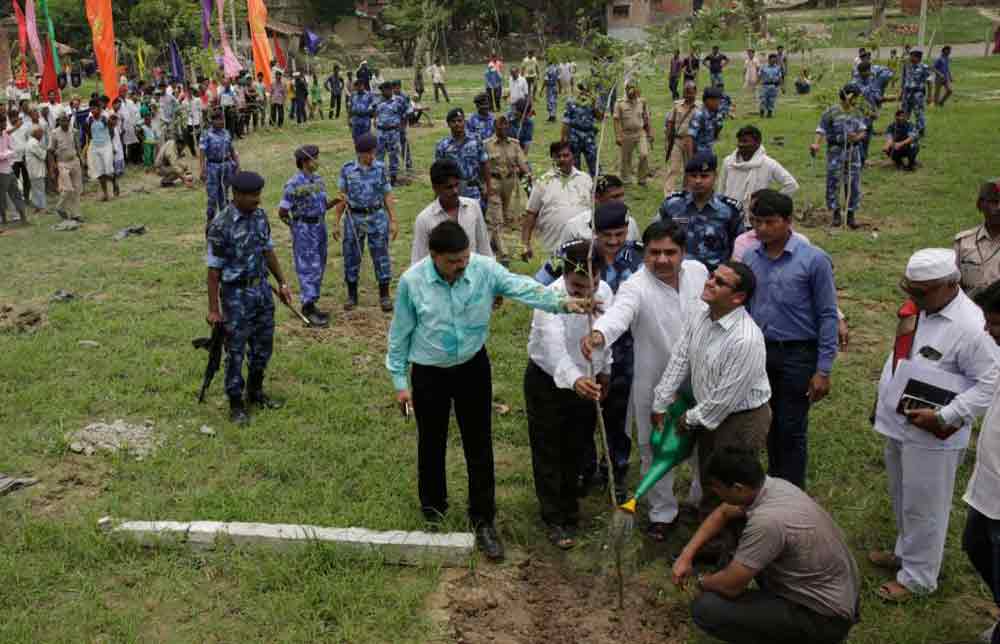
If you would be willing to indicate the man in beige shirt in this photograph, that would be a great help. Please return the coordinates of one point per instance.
(677, 127)
(978, 249)
(507, 164)
(631, 117)
(62, 144)
(529, 67)
(167, 165)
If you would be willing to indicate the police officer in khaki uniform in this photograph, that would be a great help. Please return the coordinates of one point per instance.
(977, 250)
(632, 132)
(507, 165)
(676, 126)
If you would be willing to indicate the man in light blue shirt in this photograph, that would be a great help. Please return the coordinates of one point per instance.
(795, 306)
(441, 322)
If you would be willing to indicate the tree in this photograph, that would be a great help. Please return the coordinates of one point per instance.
(410, 22)
(329, 11)
(878, 16)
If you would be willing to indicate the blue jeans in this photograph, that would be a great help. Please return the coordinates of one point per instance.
(790, 366)
(981, 541)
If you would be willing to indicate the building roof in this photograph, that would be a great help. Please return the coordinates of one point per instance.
(283, 27)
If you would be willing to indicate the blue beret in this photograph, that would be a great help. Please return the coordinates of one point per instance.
(247, 182)
(701, 162)
(613, 214)
(366, 143)
(711, 92)
(307, 152)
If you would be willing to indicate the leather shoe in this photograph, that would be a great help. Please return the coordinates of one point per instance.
(238, 412)
(489, 542)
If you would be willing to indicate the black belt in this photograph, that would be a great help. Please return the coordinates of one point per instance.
(246, 282)
(388, 127)
(772, 84)
(792, 344)
(219, 161)
(365, 211)
(309, 220)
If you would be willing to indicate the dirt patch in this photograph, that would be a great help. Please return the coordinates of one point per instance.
(539, 601)
(68, 487)
(20, 319)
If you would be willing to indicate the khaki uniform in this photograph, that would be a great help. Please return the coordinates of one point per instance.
(632, 116)
(70, 181)
(505, 159)
(678, 156)
(978, 257)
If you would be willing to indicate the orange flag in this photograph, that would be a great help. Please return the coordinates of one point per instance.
(257, 17)
(103, 27)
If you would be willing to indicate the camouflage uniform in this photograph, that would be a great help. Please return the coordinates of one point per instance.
(404, 147)
(770, 82)
(468, 154)
(305, 199)
(481, 127)
(523, 132)
(582, 122)
(552, 90)
(914, 98)
(217, 148)
(836, 125)
(704, 129)
(362, 110)
(388, 121)
(872, 88)
(366, 189)
(237, 243)
(712, 231)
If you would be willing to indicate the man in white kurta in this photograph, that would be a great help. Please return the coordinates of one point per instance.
(924, 447)
(653, 304)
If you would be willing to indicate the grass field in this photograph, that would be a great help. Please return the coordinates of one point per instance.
(339, 454)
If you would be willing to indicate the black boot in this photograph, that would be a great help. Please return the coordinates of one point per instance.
(383, 297)
(853, 225)
(255, 392)
(352, 296)
(314, 316)
(837, 221)
(238, 411)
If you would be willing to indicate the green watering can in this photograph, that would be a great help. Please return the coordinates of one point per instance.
(669, 449)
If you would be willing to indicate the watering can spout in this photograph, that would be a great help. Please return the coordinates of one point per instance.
(628, 506)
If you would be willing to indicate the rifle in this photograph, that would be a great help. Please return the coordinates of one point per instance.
(214, 347)
(672, 137)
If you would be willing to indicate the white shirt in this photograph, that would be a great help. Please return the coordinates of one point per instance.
(739, 179)
(470, 218)
(34, 158)
(554, 342)
(983, 492)
(518, 89)
(11, 92)
(194, 111)
(726, 360)
(565, 72)
(655, 313)
(579, 228)
(956, 333)
(19, 139)
(557, 198)
(437, 73)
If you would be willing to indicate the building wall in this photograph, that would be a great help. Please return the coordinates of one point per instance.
(642, 13)
(354, 30)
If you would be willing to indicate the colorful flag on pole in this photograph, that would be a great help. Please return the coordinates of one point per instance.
(36, 44)
(279, 55)
(53, 45)
(176, 63)
(50, 81)
(206, 23)
(22, 41)
(102, 25)
(230, 64)
(140, 61)
(257, 17)
(311, 42)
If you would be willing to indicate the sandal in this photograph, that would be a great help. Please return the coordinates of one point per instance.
(658, 531)
(561, 538)
(895, 592)
(885, 559)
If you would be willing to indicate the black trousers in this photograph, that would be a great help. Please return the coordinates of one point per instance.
(909, 153)
(674, 81)
(440, 86)
(761, 617)
(335, 100)
(495, 94)
(615, 412)
(790, 365)
(299, 107)
(277, 114)
(21, 170)
(232, 121)
(981, 542)
(133, 153)
(469, 386)
(560, 424)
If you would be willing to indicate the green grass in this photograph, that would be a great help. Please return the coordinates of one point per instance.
(339, 454)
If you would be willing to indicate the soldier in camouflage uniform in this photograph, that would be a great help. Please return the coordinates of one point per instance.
(520, 124)
(388, 121)
(470, 155)
(219, 162)
(361, 109)
(552, 90)
(579, 129)
(872, 81)
(705, 124)
(303, 207)
(770, 83)
(240, 255)
(407, 109)
(844, 130)
(916, 87)
(482, 124)
(365, 193)
(712, 221)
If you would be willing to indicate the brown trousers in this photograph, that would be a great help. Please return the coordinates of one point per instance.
(743, 429)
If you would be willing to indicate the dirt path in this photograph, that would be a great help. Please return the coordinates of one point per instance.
(540, 601)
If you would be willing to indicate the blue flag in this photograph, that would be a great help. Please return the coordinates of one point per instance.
(176, 63)
(311, 42)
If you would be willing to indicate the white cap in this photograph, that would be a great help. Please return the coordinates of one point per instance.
(931, 264)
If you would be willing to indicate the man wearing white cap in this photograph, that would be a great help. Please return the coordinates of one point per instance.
(940, 341)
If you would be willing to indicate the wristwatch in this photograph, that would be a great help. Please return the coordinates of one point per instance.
(699, 580)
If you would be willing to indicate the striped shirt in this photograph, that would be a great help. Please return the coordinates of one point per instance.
(726, 359)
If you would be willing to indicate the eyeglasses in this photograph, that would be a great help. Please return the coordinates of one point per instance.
(907, 287)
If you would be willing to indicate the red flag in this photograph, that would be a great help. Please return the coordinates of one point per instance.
(102, 25)
(279, 55)
(50, 82)
(22, 39)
